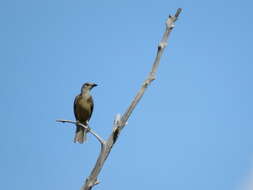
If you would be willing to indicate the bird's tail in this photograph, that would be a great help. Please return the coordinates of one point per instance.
(81, 135)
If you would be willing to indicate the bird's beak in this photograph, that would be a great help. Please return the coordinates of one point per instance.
(94, 85)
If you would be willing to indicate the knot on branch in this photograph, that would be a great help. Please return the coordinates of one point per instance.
(147, 82)
(172, 26)
(115, 134)
(90, 183)
(170, 22)
(162, 45)
(117, 125)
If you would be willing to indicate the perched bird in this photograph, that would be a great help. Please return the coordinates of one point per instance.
(83, 107)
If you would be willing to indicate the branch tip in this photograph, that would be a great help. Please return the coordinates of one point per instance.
(60, 120)
(179, 10)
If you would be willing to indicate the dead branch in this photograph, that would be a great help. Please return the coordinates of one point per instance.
(120, 121)
(100, 139)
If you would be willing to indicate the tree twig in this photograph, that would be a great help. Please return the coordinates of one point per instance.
(100, 139)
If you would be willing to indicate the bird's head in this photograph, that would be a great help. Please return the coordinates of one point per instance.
(87, 86)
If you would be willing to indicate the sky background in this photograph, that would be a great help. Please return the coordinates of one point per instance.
(192, 129)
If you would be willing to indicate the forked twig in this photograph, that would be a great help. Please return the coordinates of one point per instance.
(101, 140)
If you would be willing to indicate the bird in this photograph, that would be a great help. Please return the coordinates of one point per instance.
(83, 108)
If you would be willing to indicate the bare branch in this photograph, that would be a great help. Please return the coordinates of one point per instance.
(169, 26)
(120, 122)
(84, 126)
(105, 150)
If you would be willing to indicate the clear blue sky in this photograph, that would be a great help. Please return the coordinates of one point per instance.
(192, 129)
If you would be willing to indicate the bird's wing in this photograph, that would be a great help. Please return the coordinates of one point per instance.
(75, 103)
(90, 100)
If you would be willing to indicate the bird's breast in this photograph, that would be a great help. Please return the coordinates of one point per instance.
(83, 109)
(84, 104)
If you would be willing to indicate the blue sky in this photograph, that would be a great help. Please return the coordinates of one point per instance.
(192, 129)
